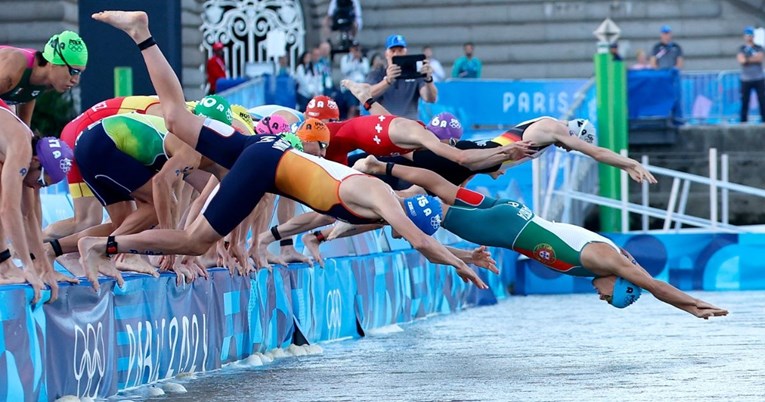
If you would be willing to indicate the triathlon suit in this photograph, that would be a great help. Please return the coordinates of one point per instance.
(267, 164)
(452, 171)
(24, 91)
(512, 225)
(368, 133)
(119, 154)
(110, 107)
(515, 134)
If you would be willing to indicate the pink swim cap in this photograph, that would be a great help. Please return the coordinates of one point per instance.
(272, 125)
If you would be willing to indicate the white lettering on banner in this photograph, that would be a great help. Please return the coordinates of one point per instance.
(537, 102)
(148, 343)
(89, 359)
(334, 313)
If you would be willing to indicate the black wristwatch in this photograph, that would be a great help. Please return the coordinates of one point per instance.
(429, 81)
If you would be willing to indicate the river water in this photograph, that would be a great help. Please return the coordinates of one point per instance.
(535, 348)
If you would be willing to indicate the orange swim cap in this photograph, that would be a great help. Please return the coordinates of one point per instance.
(313, 130)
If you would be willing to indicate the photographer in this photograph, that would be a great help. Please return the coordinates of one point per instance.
(401, 96)
(750, 57)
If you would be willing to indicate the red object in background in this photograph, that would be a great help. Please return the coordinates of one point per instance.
(216, 67)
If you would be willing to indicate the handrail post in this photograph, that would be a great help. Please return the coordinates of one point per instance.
(536, 181)
(552, 177)
(683, 203)
(644, 161)
(713, 187)
(567, 187)
(671, 204)
(724, 170)
(625, 196)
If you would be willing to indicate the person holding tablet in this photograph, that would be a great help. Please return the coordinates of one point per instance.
(398, 94)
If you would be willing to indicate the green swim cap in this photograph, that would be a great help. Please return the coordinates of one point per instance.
(70, 46)
(214, 107)
(293, 139)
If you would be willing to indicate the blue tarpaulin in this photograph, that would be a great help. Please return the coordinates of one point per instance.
(653, 93)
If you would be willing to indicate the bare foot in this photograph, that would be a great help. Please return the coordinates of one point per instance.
(312, 244)
(289, 254)
(93, 258)
(135, 263)
(361, 90)
(11, 274)
(134, 23)
(274, 259)
(155, 260)
(71, 261)
(369, 165)
(340, 229)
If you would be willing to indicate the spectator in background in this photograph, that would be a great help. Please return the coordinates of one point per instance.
(467, 66)
(354, 67)
(666, 53)
(438, 70)
(750, 57)
(613, 48)
(308, 80)
(641, 61)
(401, 97)
(216, 67)
(343, 16)
(376, 62)
(324, 67)
(284, 66)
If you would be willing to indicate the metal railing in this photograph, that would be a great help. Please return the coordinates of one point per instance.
(714, 97)
(674, 216)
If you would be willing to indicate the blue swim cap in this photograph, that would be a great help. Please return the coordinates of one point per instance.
(625, 293)
(425, 212)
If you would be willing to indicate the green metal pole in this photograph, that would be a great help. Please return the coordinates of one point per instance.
(123, 81)
(609, 184)
(619, 101)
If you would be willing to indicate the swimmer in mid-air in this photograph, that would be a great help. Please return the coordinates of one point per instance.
(564, 248)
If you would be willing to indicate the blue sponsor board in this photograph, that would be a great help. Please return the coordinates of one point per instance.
(505, 103)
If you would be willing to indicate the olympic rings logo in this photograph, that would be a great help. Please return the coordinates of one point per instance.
(65, 164)
(334, 309)
(89, 360)
(75, 44)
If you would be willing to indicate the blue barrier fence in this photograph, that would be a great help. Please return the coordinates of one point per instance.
(95, 344)
(706, 97)
(713, 97)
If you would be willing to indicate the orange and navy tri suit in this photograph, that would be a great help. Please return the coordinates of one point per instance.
(268, 164)
(110, 107)
(367, 133)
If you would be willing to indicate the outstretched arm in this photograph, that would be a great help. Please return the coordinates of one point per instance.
(422, 177)
(387, 207)
(606, 259)
(478, 257)
(636, 171)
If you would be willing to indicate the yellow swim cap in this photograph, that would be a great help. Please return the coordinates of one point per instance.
(240, 113)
